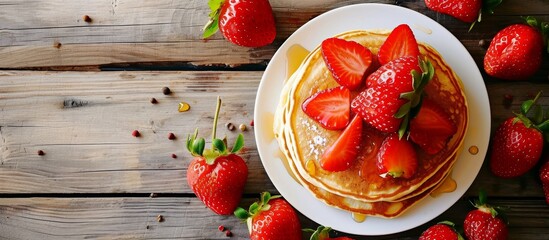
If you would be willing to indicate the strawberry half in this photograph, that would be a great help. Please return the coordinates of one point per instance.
(401, 42)
(348, 61)
(431, 127)
(271, 218)
(331, 107)
(342, 153)
(396, 158)
(247, 23)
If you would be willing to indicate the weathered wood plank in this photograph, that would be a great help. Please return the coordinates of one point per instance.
(54, 34)
(83, 121)
(187, 218)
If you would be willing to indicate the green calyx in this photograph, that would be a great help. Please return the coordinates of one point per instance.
(196, 145)
(213, 23)
(254, 209)
(414, 97)
(532, 115)
(488, 6)
(543, 27)
(320, 233)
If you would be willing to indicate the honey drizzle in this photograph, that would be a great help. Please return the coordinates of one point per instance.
(295, 55)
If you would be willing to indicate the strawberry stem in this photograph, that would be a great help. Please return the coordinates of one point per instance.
(216, 116)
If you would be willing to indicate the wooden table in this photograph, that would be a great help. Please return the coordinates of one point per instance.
(76, 90)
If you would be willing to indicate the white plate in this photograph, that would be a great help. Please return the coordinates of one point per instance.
(373, 16)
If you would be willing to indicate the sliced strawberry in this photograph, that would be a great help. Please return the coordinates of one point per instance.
(342, 154)
(401, 42)
(347, 60)
(396, 158)
(431, 127)
(331, 107)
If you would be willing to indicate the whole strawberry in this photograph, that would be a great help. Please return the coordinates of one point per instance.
(271, 218)
(217, 176)
(515, 53)
(323, 233)
(465, 10)
(517, 143)
(391, 92)
(247, 23)
(441, 231)
(483, 223)
(544, 177)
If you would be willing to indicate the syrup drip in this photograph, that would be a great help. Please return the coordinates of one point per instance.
(473, 150)
(358, 217)
(448, 185)
(183, 107)
(311, 167)
(295, 54)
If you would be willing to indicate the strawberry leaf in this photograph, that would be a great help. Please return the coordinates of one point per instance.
(219, 145)
(241, 213)
(213, 24)
(238, 144)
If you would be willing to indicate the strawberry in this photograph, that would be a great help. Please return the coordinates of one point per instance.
(515, 53)
(484, 223)
(391, 92)
(247, 23)
(396, 157)
(465, 10)
(518, 142)
(342, 153)
(331, 107)
(401, 42)
(348, 61)
(323, 233)
(544, 177)
(441, 231)
(431, 127)
(217, 176)
(271, 218)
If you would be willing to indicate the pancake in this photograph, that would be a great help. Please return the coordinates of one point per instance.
(385, 209)
(305, 140)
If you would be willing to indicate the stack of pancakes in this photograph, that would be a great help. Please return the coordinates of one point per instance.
(360, 189)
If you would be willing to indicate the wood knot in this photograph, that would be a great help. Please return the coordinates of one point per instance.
(74, 103)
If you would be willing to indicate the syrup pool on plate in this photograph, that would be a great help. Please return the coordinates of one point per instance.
(358, 217)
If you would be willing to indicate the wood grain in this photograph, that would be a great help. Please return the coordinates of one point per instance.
(83, 122)
(187, 218)
(53, 34)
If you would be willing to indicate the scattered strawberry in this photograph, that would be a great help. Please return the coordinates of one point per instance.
(271, 218)
(392, 91)
(431, 127)
(401, 42)
(217, 176)
(248, 23)
(342, 153)
(441, 231)
(465, 10)
(544, 177)
(323, 233)
(331, 107)
(348, 61)
(515, 53)
(484, 223)
(396, 158)
(518, 142)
